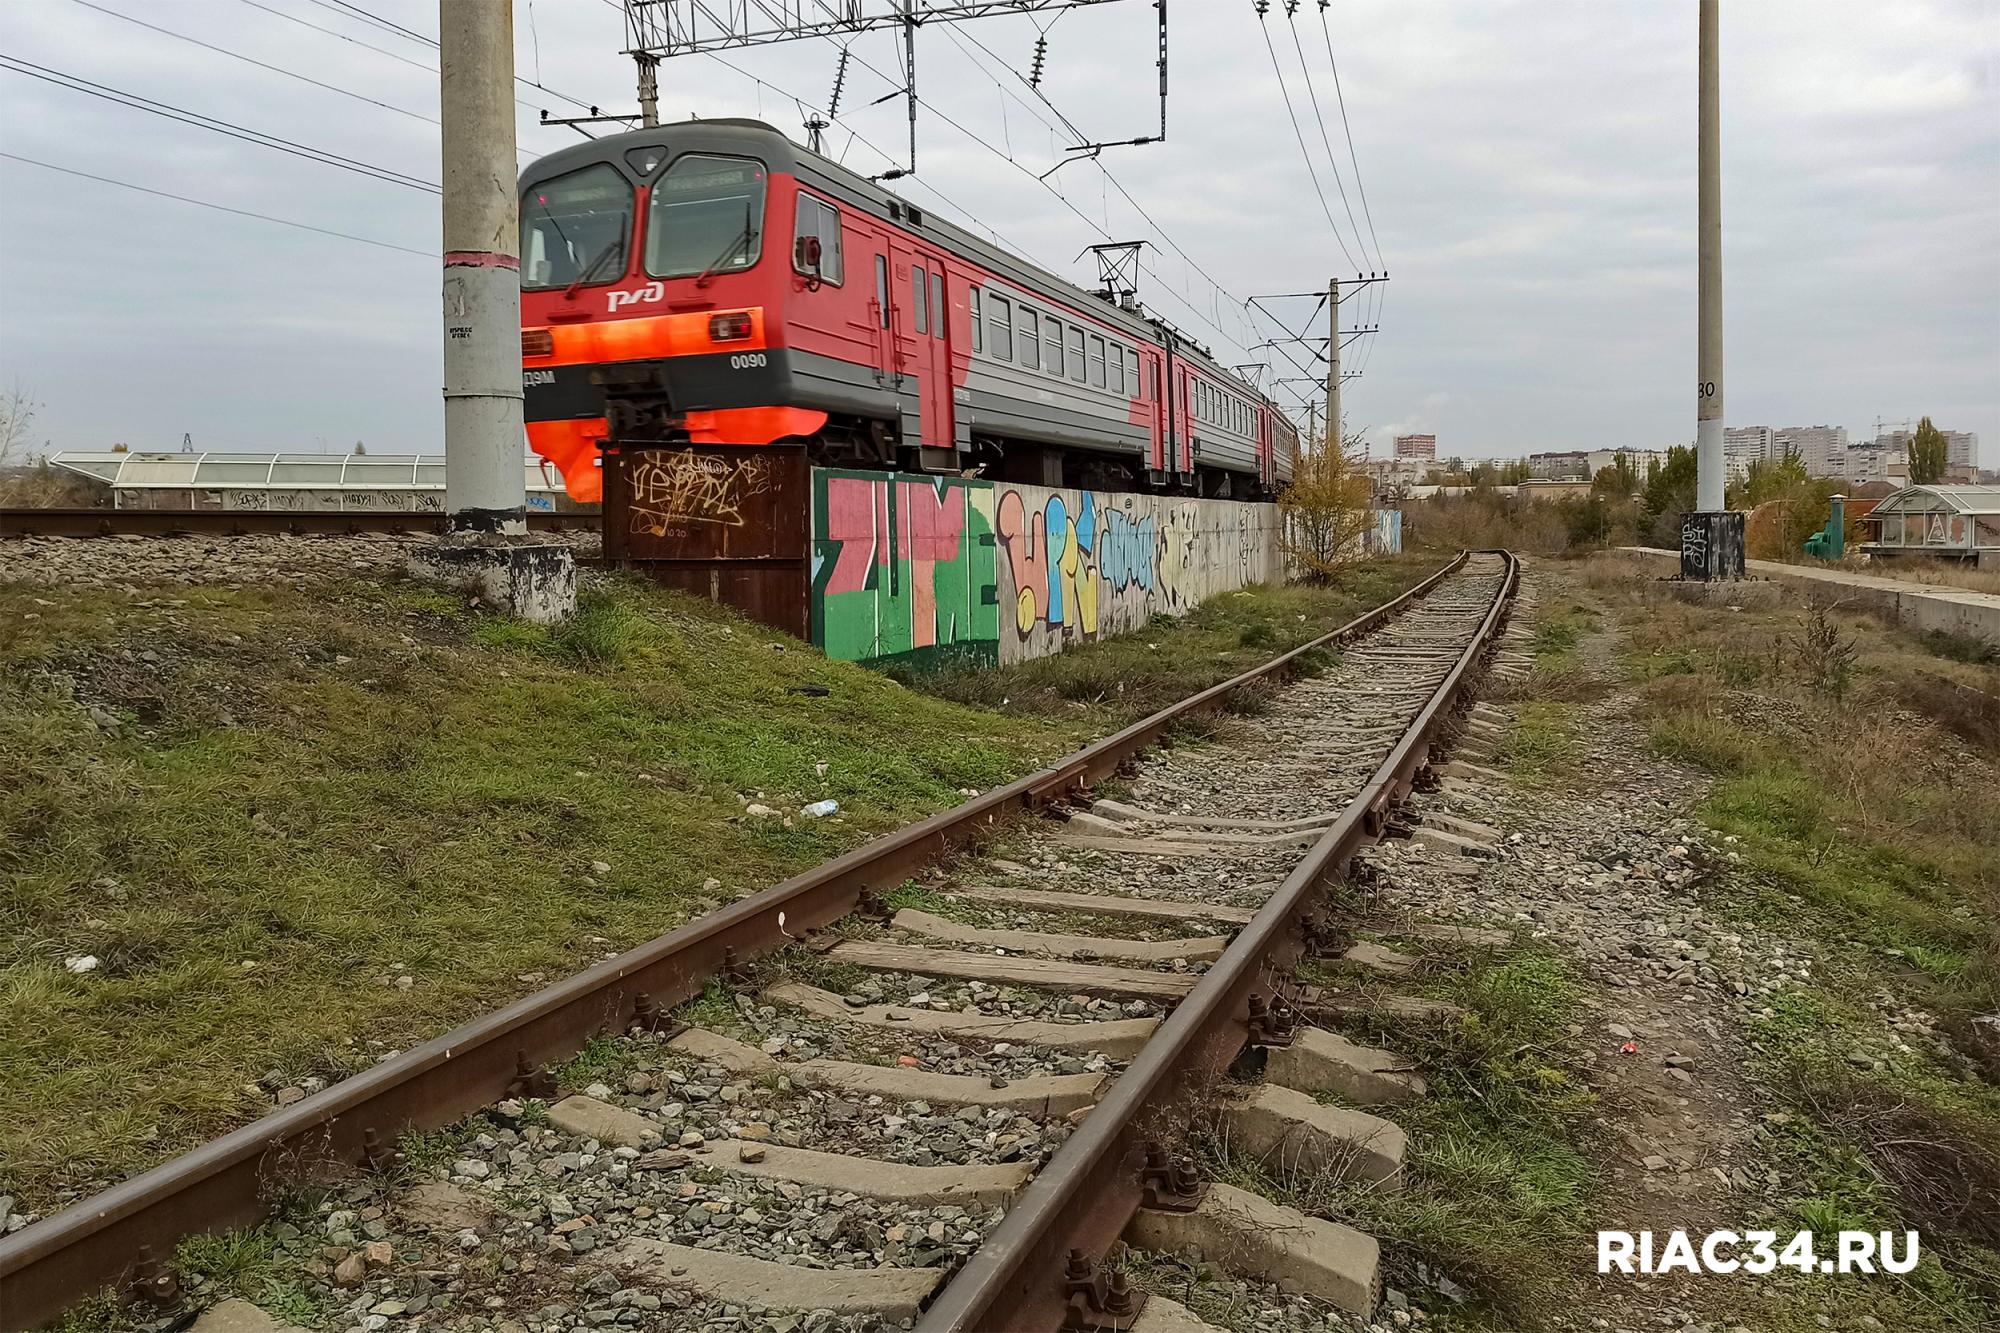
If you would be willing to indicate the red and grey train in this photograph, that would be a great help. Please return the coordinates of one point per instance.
(714, 282)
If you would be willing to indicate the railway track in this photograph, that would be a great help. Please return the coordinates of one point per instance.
(941, 1099)
(245, 523)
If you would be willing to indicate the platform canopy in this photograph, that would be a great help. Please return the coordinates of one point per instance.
(1963, 520)
(277, 471)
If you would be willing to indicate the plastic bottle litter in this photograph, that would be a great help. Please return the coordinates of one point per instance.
(820, 809)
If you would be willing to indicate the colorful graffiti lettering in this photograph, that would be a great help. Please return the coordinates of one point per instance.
(903, 569)
(927, 569)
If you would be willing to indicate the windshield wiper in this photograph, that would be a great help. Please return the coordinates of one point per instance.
(739, 243)
(616, 245)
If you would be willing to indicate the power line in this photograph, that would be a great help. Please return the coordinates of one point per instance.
(250, 60)
(1326, 139)
(293, 18)
(1116, 184)
(414, 64)
(1359, 185)
(1311, 171)
(376, 20)
(1059, 195)
(220, 208)
(168, 111)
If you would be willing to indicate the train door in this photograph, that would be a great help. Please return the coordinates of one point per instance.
(1153, 396)
(922, 331)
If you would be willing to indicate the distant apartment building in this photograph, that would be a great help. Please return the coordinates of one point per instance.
(1823, 449)
(1585, 464)
(1565, 465)
(1961, 449)
(1746, 444)
(1883, 460)
(1417, 446)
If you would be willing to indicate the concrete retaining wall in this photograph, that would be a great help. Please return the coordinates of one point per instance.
(1915, 606)
(935, 571)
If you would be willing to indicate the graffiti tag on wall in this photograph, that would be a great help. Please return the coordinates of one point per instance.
(675, 490)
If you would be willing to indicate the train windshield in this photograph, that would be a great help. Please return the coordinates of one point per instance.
(574, 229)
(707, 217)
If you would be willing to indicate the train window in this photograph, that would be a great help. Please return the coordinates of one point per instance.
(575, 228)
(919, 304)
(1076, 354)
(1096, 362)
(937, 305)
(819, 219)
(1114, 368)
(707, 217)
(1052, 336)
(1132, 371)
(1000, 326)
(1152, 379)
(882, 289)
(1025, 324)
(978, 333)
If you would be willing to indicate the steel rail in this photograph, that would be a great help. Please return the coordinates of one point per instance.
(121, 1237)
(1087, 1193)
(241, 523)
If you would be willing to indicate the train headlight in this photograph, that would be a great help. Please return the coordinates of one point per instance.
(732, 327)
(537, 342)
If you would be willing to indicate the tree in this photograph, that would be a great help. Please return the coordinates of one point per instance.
(1927, 454)
(360, 449)
(17, 414)
(1325, 509)
(1670, 491)
(1617, 480)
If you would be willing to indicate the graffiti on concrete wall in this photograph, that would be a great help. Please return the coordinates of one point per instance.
(674, 490)
(903, 569)
(928, 569)
(1077, 565)
(1386, 537)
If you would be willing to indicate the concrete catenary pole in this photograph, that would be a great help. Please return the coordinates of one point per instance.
(1709, 465)
(486, 546)
(1333, 363)
(485, 484)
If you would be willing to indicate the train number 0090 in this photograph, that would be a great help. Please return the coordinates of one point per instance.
(748, 360)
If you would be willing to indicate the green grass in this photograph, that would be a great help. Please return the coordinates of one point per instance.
(290, 832)
(1540, 744)
(1497, 1179)
(1559, 631)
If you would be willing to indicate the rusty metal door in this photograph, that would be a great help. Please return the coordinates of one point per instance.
(724, 521)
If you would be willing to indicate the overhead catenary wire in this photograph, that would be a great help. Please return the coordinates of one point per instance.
(577, 102)
(213, 124)
(1325, 137)
(1311, 172)
(252, 60)
(1160, 231)
(220, 208)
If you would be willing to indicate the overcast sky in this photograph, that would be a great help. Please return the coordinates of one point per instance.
(1529, 169)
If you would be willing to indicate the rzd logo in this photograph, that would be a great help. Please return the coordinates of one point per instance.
(652, 291)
